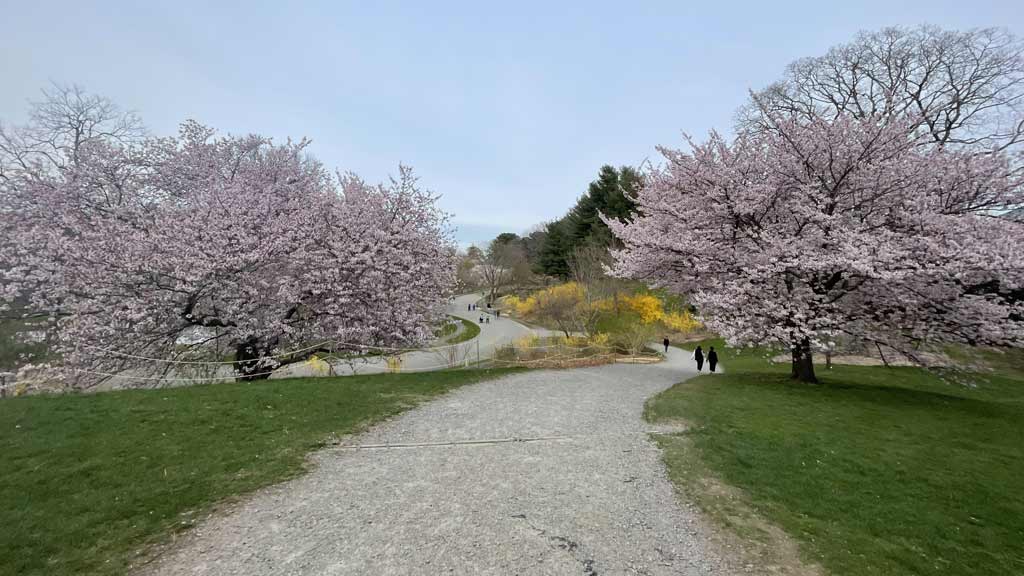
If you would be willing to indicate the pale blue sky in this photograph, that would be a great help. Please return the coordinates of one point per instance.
(506, 110)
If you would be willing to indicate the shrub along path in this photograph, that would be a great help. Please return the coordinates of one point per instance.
(542, 472)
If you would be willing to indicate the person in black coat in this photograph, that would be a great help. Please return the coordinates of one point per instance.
(698, 355)
(665, 342)
(712, 358)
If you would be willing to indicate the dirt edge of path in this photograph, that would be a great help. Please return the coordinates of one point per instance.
(759, 545)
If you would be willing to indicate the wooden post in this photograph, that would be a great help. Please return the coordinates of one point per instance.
(3, 382)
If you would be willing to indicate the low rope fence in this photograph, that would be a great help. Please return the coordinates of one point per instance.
(531, 352)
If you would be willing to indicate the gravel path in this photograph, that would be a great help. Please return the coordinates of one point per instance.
(546, 472)
(495, 333)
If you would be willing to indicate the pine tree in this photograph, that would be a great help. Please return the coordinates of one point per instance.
(553, 260)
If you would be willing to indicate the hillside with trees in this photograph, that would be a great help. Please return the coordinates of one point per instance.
(613, 195)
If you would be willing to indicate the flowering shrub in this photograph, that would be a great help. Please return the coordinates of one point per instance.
(318, 366)
(681, 322)
(610, 320)
(394, 363)
(252, 243)
(521, 306)
(555, 351)
(647, 306)
(854, 225)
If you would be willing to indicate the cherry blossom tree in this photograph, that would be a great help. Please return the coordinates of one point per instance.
(129, 246)
(855, 225)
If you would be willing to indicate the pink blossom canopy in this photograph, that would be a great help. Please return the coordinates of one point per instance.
(131, 246)
(819, 228)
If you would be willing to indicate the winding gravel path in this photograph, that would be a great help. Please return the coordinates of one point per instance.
(495, 333)
(546, 472)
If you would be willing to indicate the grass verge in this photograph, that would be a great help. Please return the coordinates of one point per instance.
(89, 481)
(877, 471)
(470, 331)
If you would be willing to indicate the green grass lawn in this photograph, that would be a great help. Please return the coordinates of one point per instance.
(877, 471)
(470, 331)
(88, 481)
(447, 329)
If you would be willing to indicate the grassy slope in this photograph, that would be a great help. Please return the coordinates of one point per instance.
(446, 329)
(471, 331)
(89, 480)
(877, 471)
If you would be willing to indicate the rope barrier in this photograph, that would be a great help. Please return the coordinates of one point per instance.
(384, 369)
(368, 347)
(272, 356)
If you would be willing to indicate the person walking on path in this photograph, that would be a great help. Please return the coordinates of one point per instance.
(698, 355)
(712, 359)
(665, 342)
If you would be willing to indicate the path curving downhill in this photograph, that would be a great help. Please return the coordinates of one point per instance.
(543, 472)
(494, 333)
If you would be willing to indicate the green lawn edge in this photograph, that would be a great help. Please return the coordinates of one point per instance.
(471, 331)
(877, 470)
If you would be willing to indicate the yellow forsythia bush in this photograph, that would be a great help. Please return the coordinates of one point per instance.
(681, 321)
(568, 292)
(318, 366)
(647, 306)
(394, 363)
(521, 306)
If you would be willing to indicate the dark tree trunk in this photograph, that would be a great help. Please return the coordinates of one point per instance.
(247, 360)
(803, 368)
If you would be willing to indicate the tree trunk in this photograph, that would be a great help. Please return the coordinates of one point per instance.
(803, 368)
(247, 360)
(882, 354)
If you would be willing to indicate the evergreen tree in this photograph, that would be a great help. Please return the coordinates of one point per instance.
(613, 195)
(506, 238)
(553, 261)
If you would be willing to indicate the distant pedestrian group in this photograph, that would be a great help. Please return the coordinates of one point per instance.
(484, 318)
(698, 356)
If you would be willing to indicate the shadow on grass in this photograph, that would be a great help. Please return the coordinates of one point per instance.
(875, 471)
